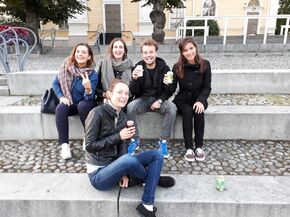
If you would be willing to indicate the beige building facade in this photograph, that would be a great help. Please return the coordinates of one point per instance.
(125, 19)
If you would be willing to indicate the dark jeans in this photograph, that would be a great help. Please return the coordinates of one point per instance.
(146, 166)
(62, 112)
(188, 114)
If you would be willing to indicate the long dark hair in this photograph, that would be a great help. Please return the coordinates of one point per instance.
(182, 60)
(90, 62)
(110, 50)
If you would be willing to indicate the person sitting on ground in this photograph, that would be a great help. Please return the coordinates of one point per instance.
(108, 163)
(75, 86)
(116, 65)
(151, 94)
(192, 73)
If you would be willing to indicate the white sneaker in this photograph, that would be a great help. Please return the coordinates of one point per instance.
(65, 151)
(189, 156)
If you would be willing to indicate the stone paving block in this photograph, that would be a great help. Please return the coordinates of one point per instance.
(251, 81)
(76, 130)
(71, 194)
(222, 122)
(23, 123)
(236, 80)
(30, 82)
(4, 91)
(3, 81)
(244, 122)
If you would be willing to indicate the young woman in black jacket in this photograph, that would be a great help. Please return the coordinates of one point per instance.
(193, 75)
(107, 134)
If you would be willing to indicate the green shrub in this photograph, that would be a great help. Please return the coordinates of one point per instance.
(279, 23)
(11, 21)
(212, 24)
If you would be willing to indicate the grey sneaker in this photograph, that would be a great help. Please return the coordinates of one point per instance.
(189, 156)
(199, 154)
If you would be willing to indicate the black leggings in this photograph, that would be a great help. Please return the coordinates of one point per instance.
(188, 113)
(62, 113)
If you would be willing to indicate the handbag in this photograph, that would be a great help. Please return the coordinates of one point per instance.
(49, 102)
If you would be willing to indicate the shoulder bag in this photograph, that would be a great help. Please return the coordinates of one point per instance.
(49, 102)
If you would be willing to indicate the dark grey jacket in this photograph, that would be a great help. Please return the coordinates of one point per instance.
(103, 141)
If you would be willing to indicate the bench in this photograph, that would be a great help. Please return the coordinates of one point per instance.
(222, 122)
(237, 81)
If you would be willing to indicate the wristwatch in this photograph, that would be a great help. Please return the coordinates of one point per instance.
(160, 101)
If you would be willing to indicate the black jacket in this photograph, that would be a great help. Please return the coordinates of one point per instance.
(195, 86)
(164, 91)
(103, 141)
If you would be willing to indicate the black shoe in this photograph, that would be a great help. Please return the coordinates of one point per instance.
(134, 181)
(142, 211)
(166, 181)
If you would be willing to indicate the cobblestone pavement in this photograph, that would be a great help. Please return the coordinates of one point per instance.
(223, 158)
(214, 99)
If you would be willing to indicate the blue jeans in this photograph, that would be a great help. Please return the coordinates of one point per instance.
(146, 166)
(142, 105)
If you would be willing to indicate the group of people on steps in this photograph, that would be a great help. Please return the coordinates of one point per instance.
(109, 99)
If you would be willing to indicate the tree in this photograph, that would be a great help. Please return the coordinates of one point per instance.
(283, 9)
(157, 15)
(32, 12)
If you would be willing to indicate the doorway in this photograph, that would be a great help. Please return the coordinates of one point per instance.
(113, 21)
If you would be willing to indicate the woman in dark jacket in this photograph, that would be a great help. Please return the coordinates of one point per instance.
(193, 75)
(107, 135)
(75, 86)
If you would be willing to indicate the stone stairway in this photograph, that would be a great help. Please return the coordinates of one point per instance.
(70, 195)
(262, 122)
(4, 89)
(55, 194)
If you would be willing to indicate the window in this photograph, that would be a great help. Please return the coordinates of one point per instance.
(176, 17)
(63, 25)
(253, 3)
(209, 8)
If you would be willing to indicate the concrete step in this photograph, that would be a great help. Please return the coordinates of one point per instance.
(3, 81)
(214, 45)
(251, 39)
(222, 122)
(71, 195)
(237, 81)
(4, 91)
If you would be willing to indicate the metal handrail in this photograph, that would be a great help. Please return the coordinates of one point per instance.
(44, 33)
(100, 30)
(181, 31)
(16, 41)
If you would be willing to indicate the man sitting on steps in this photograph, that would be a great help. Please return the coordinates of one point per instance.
(151, 93)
